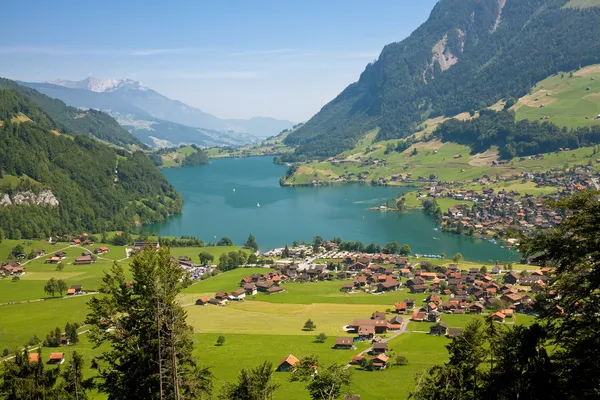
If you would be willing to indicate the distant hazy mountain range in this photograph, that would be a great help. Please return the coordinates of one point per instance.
(156, 119)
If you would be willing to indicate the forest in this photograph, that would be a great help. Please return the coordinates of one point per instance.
(535, 39)
(514, 138)
(99, 188)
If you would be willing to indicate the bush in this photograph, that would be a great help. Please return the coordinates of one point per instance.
(400, 360)
(5, 353)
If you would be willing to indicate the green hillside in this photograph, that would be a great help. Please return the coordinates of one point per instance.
(98, 188)
(467, 56)
(74, 121)
(571, 101)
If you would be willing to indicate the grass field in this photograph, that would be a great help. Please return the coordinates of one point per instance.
(567, 101)
(262, 328)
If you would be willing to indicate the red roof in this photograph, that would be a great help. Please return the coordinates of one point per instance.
(57, 356)
(34, 357)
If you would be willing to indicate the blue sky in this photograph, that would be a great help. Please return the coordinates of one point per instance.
(232, 58)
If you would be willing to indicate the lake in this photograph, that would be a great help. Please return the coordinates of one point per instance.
(222, 198)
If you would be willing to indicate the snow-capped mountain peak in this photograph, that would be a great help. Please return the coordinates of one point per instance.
(98, 85)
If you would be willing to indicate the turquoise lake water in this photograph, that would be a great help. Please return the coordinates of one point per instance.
(212, 208)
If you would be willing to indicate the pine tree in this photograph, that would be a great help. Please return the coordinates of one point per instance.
(150, 355)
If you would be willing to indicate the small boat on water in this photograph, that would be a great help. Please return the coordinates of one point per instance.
(233, 190)
(434, 238)
(258, 205)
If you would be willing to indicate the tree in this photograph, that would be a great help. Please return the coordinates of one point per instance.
(309, 325)
(400, 204)
(392, 248)
(221, 340)
(71, 333)
(286, 252)
(17, 251)
(457, 258)
(51, 287)
(483, 269)
(400, 360)
(461, 377)
(24, 380)
(206, 258)
(327, 384)
(405, 250)
(225, 241)
(252, 259)
(150, 347)
(250, 243)
(61, 286)
(53, 338)
(72, 376)
(569, 315)
(321, 338)
(255, 384)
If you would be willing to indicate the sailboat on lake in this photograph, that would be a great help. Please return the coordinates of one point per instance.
(258, 205)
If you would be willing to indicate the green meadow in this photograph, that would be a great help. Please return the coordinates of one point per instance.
(262, 328)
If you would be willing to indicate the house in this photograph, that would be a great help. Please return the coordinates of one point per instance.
(389, 285)
(287, 364)
(496, 270)
(439, 329)
(418, 288)
(202, 301)
(396, 320)
(512, 298)
(222, 296)
(410, 303)
(379, 348)
(378, 315)
(264, 285)
(33, 357)
(511, 278)
(65, 341)
(498, 317)
(401, 307)
(139, 246)
(83, 260)
(380, 362)
(345, 343)
(418, 316)
(433, 316)
(61, 254)
(366, 332)
(101, 250)
(77, 288)
(237, 295)
(56, 358)
(453, 332)
(380, 325)
(250, 289)
(70, 292)
(356, 360)
(476, 308)
(217, 302)
(274, 289)
(12, 269)
(52, 260)
(76, 242)
(347, 287)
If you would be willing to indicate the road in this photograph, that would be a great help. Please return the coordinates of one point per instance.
(396, 334)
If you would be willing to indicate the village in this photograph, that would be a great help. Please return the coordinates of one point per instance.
(498, 294)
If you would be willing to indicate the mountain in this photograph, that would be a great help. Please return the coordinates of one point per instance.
(133, 104)
(54, 183)
(468, 55)
(74, 121)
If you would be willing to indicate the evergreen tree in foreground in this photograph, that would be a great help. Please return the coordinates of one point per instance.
(150, 355)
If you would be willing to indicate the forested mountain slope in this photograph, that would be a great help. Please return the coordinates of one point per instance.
(74, 121)
(468, 55)
(86, 185)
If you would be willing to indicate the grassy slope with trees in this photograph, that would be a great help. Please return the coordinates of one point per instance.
(567, 103)
(73, 121)
(80, 172)
(403, 87)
